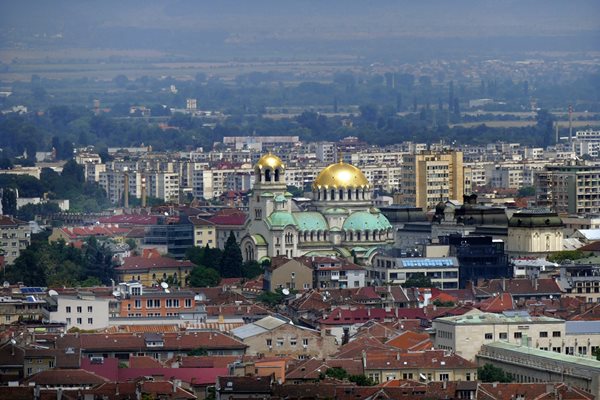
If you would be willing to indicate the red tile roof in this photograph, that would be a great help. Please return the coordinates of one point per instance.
(66, 377)
(497, 304)
(142, 263)
(6, 220)
(411, 341)
(127, 219)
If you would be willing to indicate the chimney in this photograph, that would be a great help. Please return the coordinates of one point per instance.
(397, 356)
(503, 285)
(143, 191)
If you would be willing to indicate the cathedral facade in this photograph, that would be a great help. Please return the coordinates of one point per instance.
(340, 219)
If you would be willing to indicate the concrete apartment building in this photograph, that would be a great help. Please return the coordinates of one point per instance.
(527, 364)
(86, 312)
(466, 334)
(15, 236)
(572, 189)
(428, 178)
(288, 273)
(394, 269)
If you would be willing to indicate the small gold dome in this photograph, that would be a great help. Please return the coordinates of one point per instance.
(270, 160)
(341, 175)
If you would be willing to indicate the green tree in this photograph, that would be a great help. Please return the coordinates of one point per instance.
(418, 280)
(231, 261)
(361, 380)
(337, 373)
(202, 276)
(9, 201)
(251, 269)
(490, 373)
(271, 298)
(526, 191)
(561, 256)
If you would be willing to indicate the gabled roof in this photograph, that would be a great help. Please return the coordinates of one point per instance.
(519, 286)
(57, 377)
(411, 341)
(499, 303)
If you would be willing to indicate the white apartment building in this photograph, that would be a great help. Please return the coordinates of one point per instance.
(163, 185)
(113, 183)
(465, 334)
(83, 312)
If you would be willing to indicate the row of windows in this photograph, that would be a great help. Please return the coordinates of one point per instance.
(79, 321)
(280, 341)
(519, 335)
(79, 309)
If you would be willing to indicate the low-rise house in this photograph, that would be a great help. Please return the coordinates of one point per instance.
(520, 289)
(152, 269)
(244, 387)
(78, 233)
(294, 274)
(424, 366)
(28, 308)
(280, 337)
(333, 272)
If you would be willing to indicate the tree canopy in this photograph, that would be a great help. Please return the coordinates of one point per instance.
(232, 261)
(490, 373)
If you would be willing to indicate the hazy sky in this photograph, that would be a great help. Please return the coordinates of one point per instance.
(271, 26)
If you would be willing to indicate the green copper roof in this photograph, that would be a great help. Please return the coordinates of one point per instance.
(310, 221)
(259, 240)
(288, 194)
(364, 220)
(281, 219)
(267, 194)
(280, 198)
(343, 251)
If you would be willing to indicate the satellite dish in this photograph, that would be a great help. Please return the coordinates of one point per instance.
(164, 285)
(167, 291)
(423, 376)
(6, 285)
(550, 297)
(286, 291)
(166, 214)
(116, 293)
(52, 292)
(13, 341)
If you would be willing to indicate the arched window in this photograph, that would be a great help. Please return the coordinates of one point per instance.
(341, 194)
(332, 194)
(349, 194)
(153, 276)
(358, 236)
(324, 194)
(267, 175)
(277, 175)
(357, 194)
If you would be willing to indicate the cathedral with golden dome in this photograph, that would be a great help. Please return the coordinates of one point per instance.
(340, 219)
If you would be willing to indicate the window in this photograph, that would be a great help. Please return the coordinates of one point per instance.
(468, 376)
(444, 377)
(293, 341)
(90, 309)
(582, 350)
(269, 342)
(407, 375)
(489, 336)
(279, 342)
(68, 309)
(79, 309)
(544, 334)
(91, 321)
(137, 303)
(29, 371)
(79, 321)
(188, 303)
(68, 321)
(518, 335)
(503, 336)
(305, 342)
(556, 334)
(556, 349)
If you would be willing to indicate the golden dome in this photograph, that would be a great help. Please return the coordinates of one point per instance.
(341, 175)
(270, 161)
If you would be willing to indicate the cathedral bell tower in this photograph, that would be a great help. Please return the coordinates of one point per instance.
(269, 187)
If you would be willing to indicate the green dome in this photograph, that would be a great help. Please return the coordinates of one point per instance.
(280, 199)
(335, 210)
(310, 221)
(365, 220)
(281, 219)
